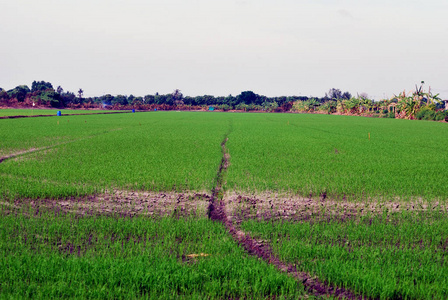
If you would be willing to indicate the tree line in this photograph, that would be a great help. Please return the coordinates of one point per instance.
(44, 94)
(418, 104)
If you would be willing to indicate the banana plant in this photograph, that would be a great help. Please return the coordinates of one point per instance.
(409, 105)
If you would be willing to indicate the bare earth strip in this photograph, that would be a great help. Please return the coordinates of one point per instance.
(124, 203)
(273, 206)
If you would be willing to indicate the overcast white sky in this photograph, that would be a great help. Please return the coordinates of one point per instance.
(221, 47)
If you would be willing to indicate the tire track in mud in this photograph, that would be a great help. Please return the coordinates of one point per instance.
(216, 212)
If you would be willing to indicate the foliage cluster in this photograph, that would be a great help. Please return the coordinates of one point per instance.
(418, 104)
(405, 106)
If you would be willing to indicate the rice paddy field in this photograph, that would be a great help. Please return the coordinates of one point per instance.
(6, 112)
(196, 205)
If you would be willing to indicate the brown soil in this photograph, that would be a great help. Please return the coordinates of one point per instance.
(271, 206)
(127, 203)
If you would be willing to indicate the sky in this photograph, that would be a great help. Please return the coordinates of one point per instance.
(222, 47)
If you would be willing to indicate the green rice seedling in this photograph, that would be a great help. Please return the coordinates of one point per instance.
(51, 254)
(5, 112)
(146, 151)
(319, 154)
(378, 162)
(386, 256)
(293, 153)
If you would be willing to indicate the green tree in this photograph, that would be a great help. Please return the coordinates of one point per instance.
(120, 99)
(137, 100)
(51, 97)
(106, 99)
(19, 92)
(40, 86)
(247, 97)
(230, 100)
(3, 94)
(177, 97)
(68, 97)
(336, 94)
(160, 99)
(149, 99)
(80, 94)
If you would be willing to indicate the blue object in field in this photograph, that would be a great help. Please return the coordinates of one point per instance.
(133, 110)
(155, 109)
(59, 113)
(211, 108)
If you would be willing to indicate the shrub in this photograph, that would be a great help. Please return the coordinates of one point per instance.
(441, 115)
(224, 107)
(328, 107)
(426, 114)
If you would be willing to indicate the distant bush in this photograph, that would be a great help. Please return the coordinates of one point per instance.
(224, 107)
(328, 107)
(426, 114)
(441, 115)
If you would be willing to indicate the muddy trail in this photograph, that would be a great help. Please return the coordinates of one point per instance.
(261, 249)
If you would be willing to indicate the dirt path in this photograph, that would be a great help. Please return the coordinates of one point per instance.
(217, 212)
